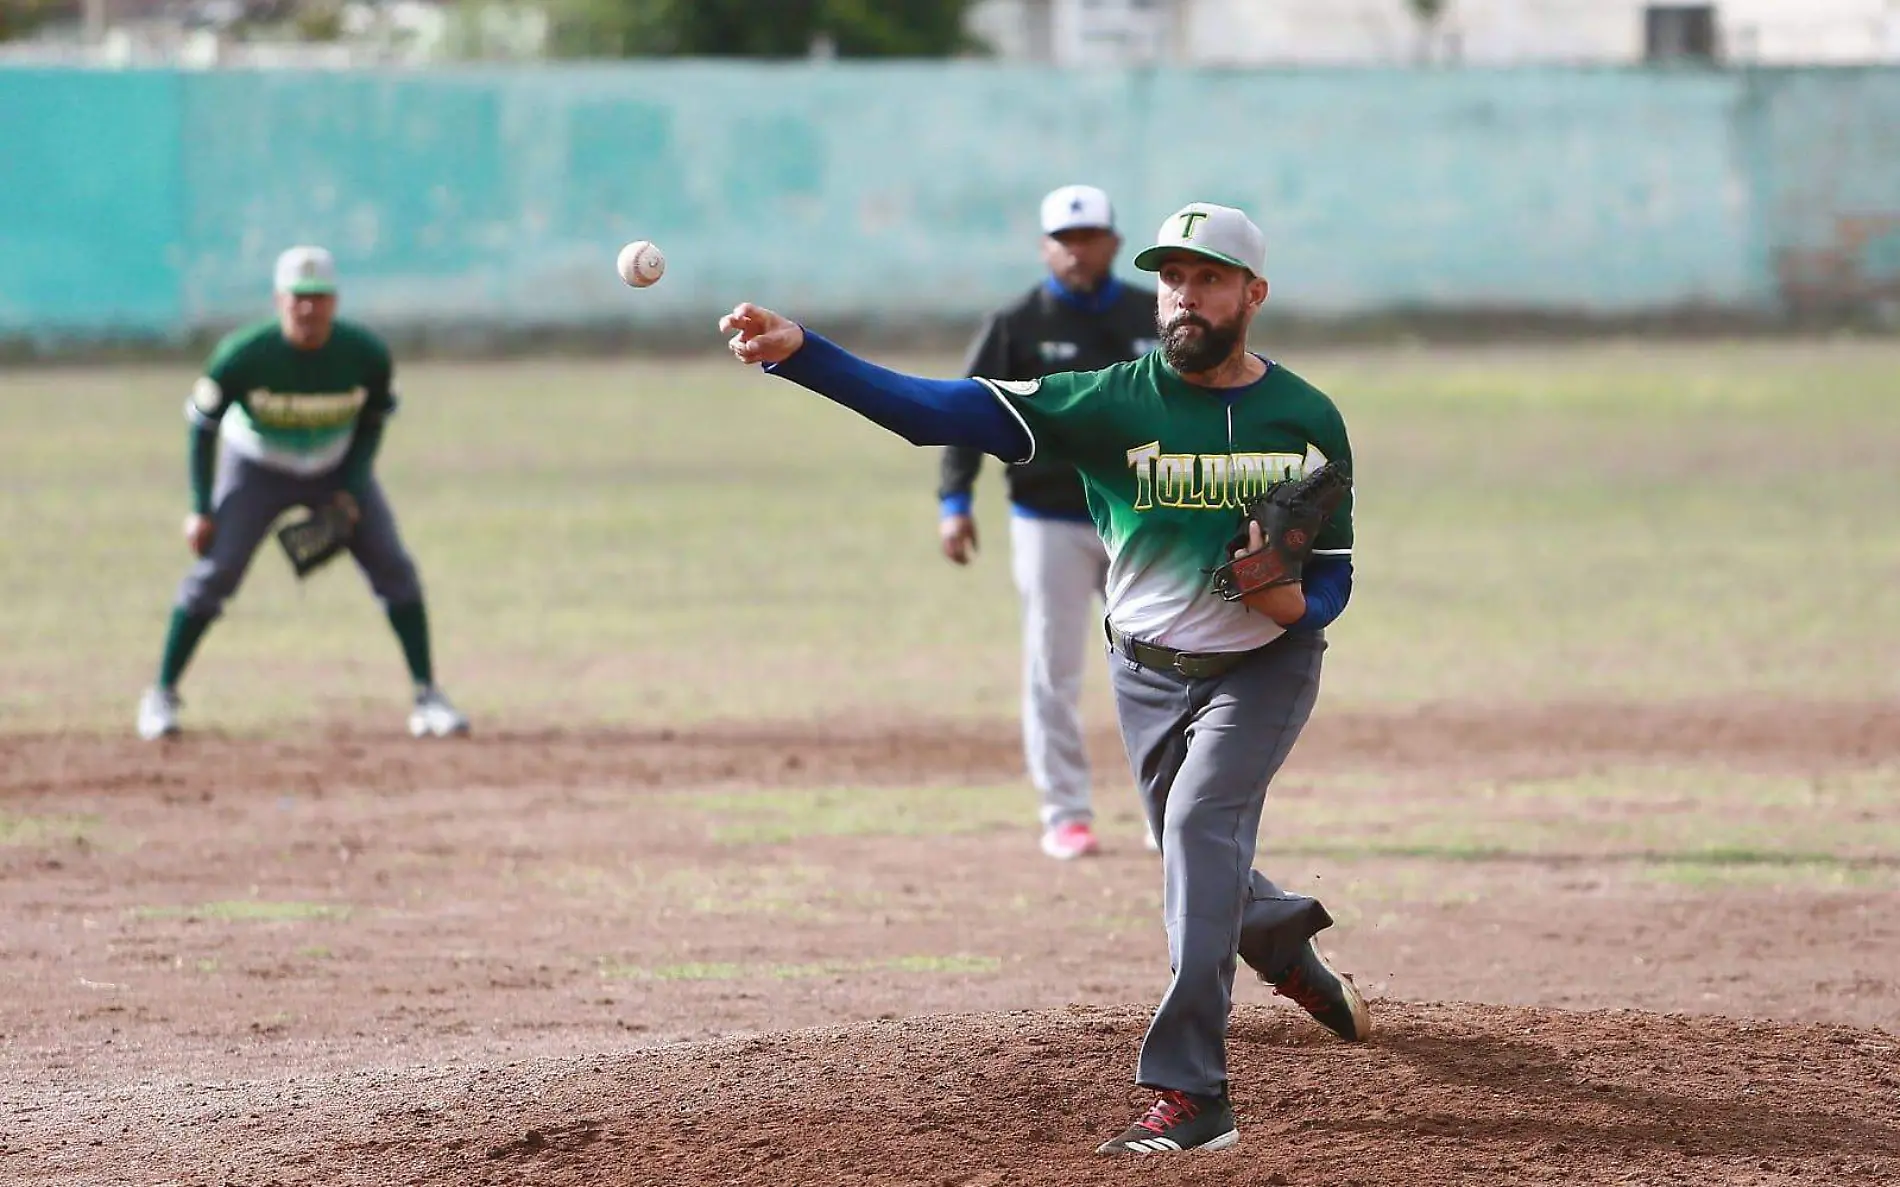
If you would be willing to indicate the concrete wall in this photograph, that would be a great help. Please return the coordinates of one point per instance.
(151, 203)
(1387, 32)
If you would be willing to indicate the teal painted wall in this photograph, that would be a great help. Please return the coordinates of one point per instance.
(153, 202)
(90, 195)
(1826, 180)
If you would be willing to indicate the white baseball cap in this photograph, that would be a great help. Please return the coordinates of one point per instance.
(1217, 232)
(306, 270)
(1077, 207)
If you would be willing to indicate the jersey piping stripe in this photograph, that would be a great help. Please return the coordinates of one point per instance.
(1011, 409)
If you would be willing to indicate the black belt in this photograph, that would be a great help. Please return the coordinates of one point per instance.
(1195, 665)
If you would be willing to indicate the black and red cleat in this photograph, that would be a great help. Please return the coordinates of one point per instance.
(1328, 995)
(1179, 1121)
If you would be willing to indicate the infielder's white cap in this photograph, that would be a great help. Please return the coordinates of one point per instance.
(306, 270)
(1077, 208)
(1217, 232)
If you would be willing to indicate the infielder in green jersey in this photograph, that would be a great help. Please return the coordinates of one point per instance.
(298, 405)
(1211, 692)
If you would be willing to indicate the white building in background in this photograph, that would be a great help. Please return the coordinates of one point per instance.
(1264, 32)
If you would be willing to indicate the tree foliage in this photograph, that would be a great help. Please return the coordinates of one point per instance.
(754, 29)
(18, 18)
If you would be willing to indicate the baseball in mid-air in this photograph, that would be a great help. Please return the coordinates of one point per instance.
(641, 263)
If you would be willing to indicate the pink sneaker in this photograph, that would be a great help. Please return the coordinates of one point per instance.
(1065, 842)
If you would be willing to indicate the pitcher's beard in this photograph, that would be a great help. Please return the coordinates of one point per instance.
(1193, 353)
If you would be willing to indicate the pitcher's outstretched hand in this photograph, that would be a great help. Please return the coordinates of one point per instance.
(761, 336)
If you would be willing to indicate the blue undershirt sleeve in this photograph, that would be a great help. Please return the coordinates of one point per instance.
(922, 411)
(1327, 584)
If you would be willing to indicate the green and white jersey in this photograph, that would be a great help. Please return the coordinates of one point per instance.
(290, 409)
(1168, 466)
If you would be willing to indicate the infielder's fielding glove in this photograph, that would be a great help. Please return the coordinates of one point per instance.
(312, 541)
(1291, 514)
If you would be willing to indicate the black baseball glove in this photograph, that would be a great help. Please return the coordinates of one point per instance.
(1291, 514)
(314, 540)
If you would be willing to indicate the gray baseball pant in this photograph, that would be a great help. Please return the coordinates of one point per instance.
(1060, 569)
(247, 499)
(1203, 752)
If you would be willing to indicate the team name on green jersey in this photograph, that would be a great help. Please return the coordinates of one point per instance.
(286, 410)
(293, 409)
(1167, 465)
(305, 410)
(1206, 481)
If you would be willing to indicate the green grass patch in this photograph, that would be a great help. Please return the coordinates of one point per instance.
(1534, 523)
(932, 965)
(1792, 873)
(1121, 925)
(1704, 787)
(786, 892)
(246, 911)
(782, 815)
(35, 831)
(809, 893)
(1715, 856)
(1687, 813)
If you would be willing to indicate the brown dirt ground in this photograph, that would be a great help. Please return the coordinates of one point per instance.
(528, 958)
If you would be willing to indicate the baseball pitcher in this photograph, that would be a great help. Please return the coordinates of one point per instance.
(1221, 485)
(289, 414)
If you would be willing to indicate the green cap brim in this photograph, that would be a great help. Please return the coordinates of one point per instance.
(1149, 260)
(312, 288)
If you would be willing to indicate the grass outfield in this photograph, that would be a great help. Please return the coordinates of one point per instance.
(665, 541)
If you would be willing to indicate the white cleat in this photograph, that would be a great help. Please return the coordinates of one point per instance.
(158, 714)
(434, 717)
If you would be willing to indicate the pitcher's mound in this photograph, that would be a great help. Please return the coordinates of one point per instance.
(1443, 1094)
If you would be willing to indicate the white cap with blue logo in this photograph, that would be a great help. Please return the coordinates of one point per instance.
(1076, 208)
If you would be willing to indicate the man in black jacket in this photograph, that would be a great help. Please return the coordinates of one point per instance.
(1079, 318)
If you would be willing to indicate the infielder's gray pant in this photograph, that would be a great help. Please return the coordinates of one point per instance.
(1203, 752)
(248, 498)
(1060, 568)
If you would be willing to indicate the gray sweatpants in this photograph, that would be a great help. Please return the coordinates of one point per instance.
(1203, 752)
(248, 498)
(1060, 569)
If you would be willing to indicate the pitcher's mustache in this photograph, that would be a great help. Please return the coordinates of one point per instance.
(1189, 319)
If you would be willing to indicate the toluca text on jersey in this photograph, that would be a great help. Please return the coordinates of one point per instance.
(1210, 481)
(291, 410)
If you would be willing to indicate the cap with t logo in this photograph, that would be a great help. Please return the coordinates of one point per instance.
(1217, 232)
(305, 270)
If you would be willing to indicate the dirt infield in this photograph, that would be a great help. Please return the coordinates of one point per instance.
(1446, 1095)
(807, 954)
(1534, 739)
